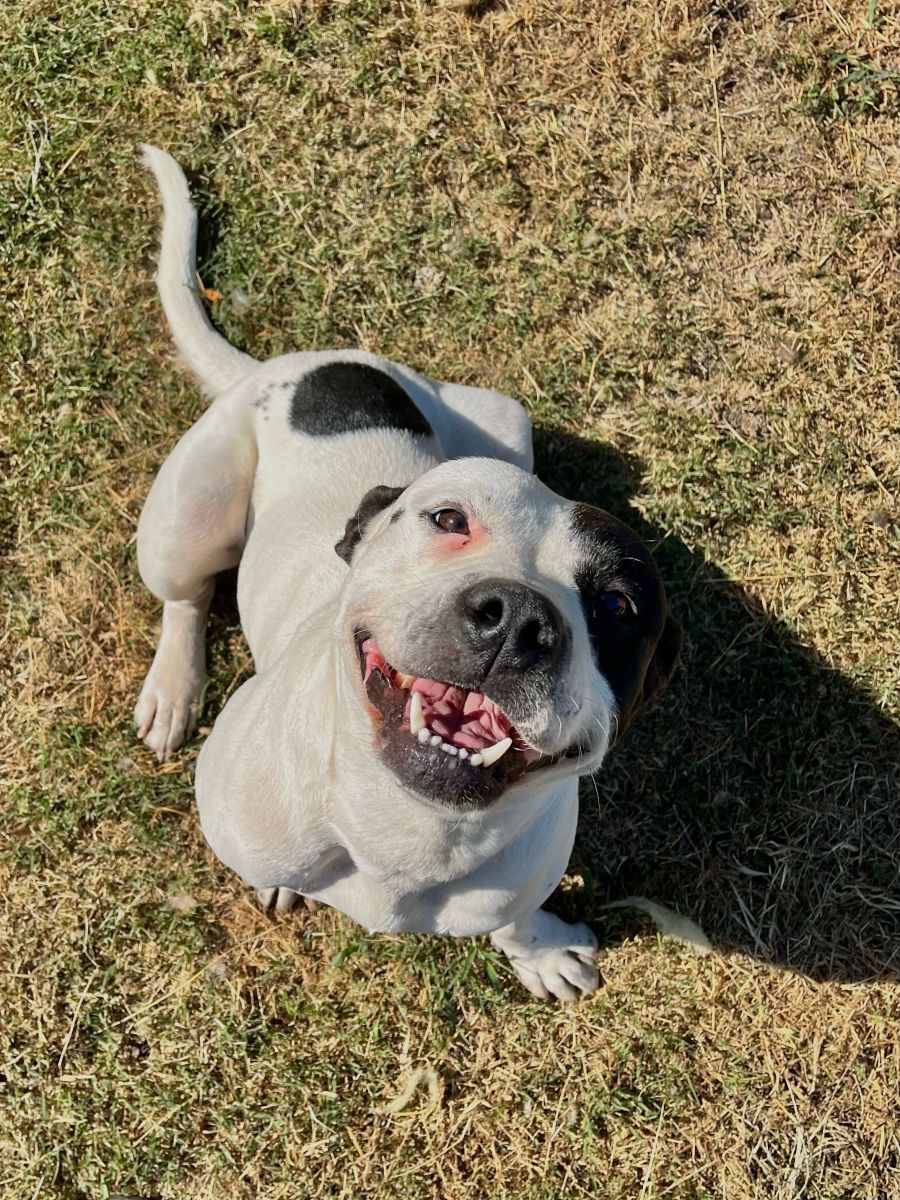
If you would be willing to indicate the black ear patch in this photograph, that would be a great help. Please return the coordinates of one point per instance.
(636, 652)
(662, 664)
(373, 502)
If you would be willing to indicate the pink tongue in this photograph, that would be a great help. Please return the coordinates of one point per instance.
(462, 718)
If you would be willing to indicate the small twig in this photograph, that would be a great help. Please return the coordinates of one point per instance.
(420, 1075)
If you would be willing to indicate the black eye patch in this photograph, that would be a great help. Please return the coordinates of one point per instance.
(622, 600)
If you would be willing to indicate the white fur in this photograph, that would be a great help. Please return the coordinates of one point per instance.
(291, 792)
(209, 356)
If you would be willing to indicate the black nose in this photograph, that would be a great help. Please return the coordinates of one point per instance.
(510, 626)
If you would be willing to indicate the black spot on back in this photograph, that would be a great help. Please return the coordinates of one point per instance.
(344, 397)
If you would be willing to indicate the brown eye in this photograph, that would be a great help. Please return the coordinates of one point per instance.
(613, 603)
(451, 520)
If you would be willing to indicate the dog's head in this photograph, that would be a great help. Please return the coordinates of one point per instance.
(502, 633)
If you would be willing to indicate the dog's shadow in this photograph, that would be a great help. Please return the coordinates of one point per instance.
(760, 798)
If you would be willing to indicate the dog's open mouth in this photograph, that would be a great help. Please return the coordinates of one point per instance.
(448, 741)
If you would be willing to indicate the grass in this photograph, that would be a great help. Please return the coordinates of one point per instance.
(672, 231)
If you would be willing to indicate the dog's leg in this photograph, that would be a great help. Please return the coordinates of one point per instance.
(192, 526)
(166, 711)
(551, 957)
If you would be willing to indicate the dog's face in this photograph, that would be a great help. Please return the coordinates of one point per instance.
(501, 633)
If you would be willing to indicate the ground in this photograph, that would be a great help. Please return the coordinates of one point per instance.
(672, 231)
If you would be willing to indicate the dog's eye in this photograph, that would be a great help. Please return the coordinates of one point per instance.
(613, 603)
(451, 520)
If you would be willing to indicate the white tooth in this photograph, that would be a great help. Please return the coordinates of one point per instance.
(448, 748)
(424, 735)
(493, 753)
(405, 681)
(463, 752)
(436, 739)
(416, 716)
(475, 760)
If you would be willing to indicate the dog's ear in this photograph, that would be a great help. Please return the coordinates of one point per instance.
(662, 664)
(373, 502)
(657, 675)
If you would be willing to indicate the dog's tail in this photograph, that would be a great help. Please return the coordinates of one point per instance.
(216, 364)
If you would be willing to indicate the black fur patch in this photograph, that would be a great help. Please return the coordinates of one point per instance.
(344, 397)
(636, 652)
(372, 503)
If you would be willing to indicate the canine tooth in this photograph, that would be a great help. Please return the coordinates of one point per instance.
(436, 739)
(448, 748)
(416, 716)
(424, 735)
(492, 754)
(475, 760)
(463, 752)
(405, 681)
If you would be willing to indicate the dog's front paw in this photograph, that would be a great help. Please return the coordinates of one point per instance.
(550, 957)
(166, 711)
(568, 973)
(167, 708)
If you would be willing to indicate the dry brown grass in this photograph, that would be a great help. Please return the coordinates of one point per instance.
(670, 228)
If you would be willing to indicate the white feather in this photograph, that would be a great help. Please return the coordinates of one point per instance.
(670, 923)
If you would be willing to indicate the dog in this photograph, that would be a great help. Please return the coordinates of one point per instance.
(442, 645)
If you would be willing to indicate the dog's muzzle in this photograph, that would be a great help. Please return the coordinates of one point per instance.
(494, 649)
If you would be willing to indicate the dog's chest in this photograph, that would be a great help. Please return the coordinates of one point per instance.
(415, 870)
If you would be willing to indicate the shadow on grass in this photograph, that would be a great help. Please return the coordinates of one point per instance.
(761, 798)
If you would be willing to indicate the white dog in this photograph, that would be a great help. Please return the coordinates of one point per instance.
(426, 696)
